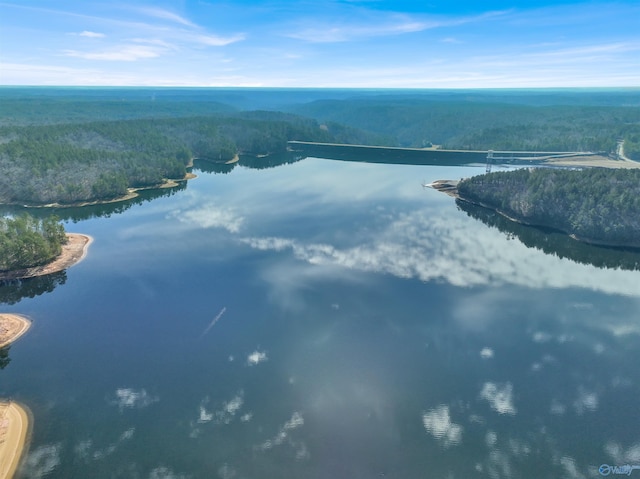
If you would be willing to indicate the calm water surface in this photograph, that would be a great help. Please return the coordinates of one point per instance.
(325, 320)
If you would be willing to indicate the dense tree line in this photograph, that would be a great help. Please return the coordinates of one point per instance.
(68, 163)
(485, 125)
(597, 205)
(26, 241)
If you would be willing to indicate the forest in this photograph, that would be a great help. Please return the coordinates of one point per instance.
(68, 146)
(480, 125)
(597, 205)
(26, 241)
(70, 163)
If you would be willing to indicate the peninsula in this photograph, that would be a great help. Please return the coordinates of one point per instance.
(14, 436)
(74, 251)
(14, 418)
(12, 326)
(597, 205)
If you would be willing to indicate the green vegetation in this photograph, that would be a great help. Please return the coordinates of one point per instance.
(26, 241)
(596, 205)
(486, 123)
(69, 163)
(70, 145)
(554, 242)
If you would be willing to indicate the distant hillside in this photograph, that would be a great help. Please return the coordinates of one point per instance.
(480, 125)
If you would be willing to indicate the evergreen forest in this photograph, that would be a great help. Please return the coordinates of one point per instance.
(70, 163)
(26, 241)
(596, 205)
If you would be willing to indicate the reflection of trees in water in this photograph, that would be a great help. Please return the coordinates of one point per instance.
(248, 161)
(13, 291)
(79, 213)
(208, 166)
(4, 357)
(555, 242)
(269, 161)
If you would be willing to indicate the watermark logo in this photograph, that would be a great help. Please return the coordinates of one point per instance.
(625, 470)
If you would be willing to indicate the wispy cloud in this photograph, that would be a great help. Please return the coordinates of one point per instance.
(90, 34)
(451, 40)
(368, 23)
(123, 53)
(210, 215)
(166, 15)
(218, 41)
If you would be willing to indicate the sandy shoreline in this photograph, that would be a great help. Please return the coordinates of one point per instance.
(14, 435)
(12, 326)
(72, 253)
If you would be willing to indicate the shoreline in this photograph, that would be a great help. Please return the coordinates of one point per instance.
(72, 253)
(131, 193)
(14, 437)
(450, 187)
(12, 327)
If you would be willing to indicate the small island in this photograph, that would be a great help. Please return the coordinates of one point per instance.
(596, 205)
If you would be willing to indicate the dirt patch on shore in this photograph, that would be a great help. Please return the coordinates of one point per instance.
(72, 253)
(592, 161)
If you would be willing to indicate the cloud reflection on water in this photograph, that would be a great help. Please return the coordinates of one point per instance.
(437, 421)
(428, 246)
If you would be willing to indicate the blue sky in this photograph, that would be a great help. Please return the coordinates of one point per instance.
(321, 43)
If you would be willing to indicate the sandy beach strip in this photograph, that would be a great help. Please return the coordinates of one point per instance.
(72, 253)
(12, 326)
(14, 435)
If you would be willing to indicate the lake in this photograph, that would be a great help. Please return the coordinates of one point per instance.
(326, 319)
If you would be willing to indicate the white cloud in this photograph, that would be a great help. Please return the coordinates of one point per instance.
(256, 357)
(296, 421)
(571, 468)
(490, 438)
(363, 23)
(123, 53)
(499, 396)
(89, 34)
(166, 15)
(132, 398)
(620, 455)
(427, 246)
(42, 461)
(341, 33)
(586, 401)
(210, 215)
(205, 416)
(486, 353)
(438, 422)
(225, 414)
(557, 408)
(84, 448)
(163, 472)
(217, 41)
